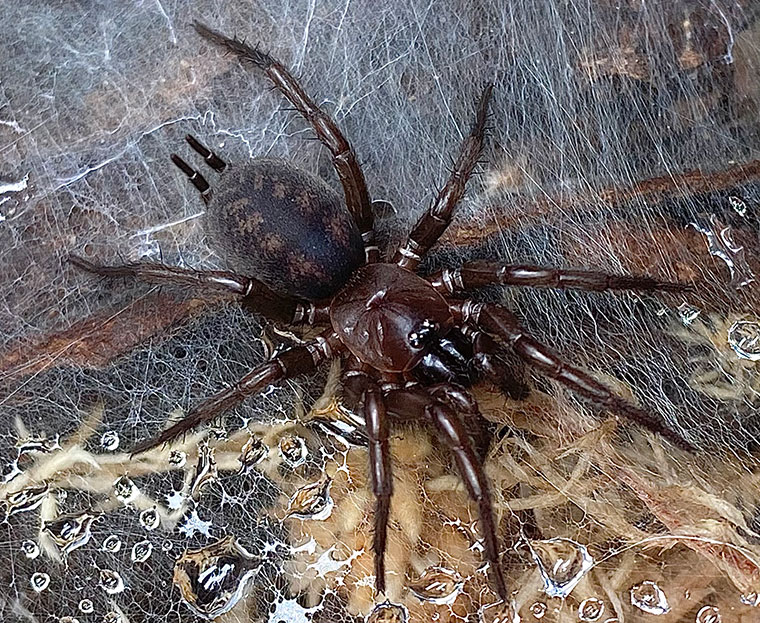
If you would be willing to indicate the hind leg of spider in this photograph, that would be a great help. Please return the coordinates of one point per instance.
(287, 365)
(434, 222)
(252, 293)
(475, 275)
(504, 324)
(212, 160)
(194, 176)
(344, 158)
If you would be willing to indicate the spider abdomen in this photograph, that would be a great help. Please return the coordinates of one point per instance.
(277, 223)
(388, 317)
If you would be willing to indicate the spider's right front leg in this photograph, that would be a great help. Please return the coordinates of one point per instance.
(252, 293)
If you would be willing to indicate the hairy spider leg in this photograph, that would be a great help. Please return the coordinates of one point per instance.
(288, 364)
(343, 156)
(214, 161)
(253, 293)
(473, 275)
(194, 176)
(417, 404)
(431, 225)
(505, 325)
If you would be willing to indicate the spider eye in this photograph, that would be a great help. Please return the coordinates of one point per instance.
(423, 334)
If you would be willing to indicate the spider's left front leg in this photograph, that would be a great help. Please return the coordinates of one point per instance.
(505, 325)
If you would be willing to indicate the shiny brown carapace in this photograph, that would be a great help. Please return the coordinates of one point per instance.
(411, 345)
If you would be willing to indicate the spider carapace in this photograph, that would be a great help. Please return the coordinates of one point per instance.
(411, 345)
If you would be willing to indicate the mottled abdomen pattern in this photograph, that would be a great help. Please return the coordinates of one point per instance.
(275, 222)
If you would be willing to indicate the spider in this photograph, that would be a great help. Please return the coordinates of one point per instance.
(411, 345)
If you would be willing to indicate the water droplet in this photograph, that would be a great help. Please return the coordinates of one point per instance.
(86, 606)
(205, 470)
(708, 614)
(112, 544)
(39, 581)
(150, 519)
(31, 549)
(738, 204)
(211, 580)
(25, 500)
(387, 612)
(688, 313)
(293, 450)
(438, 585)
(141, 551)
(649, 598)
(591, 609)
(253, 452)
(720, 243)
(177, 458)
(312, 501)
(744, 338)
(167, 546)
(125, 490)
(193, 523)
(111, 582)
(501, 612)
(751, 599)
(538, 609)
(70, 532)
(562, 563)
(42, 445)
(109, 440)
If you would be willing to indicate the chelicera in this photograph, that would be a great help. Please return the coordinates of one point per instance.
(410, 345)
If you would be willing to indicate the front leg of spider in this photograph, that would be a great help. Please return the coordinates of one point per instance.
(380, 476)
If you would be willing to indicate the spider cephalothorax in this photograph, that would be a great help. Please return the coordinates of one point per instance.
(410, 344)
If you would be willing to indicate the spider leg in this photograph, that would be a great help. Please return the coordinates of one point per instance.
(463, 403)
(434, 222)
(291, 363)
(214, 161)
(343, 156)
(253, 293)
(195, 177)
(474, 275)
(453, 433)
(380, 475)
(488, 359)
(416, 404)
(504, 324)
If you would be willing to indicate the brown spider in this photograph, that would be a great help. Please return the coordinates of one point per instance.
(410, 344)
